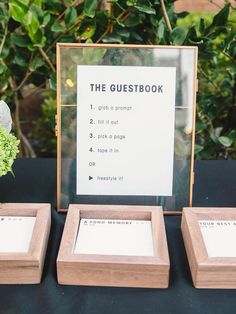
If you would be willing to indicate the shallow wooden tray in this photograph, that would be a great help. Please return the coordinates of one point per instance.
(207, 272)
(114, 270)
(26, 268)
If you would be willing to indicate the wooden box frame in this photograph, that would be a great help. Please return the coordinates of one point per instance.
(110, 270)
(26, 268)
(170, 205)
(207, 272)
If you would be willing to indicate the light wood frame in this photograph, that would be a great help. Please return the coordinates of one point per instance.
(26, 268)
(58, 115)
(110, 270)
(214, 272)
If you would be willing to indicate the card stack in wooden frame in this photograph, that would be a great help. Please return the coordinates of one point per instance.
(114, 270)
(26, 267)
(216, 270)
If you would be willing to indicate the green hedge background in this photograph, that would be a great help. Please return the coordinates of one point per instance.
(30, 29)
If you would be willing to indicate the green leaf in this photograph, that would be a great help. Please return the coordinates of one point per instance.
(182, 15)
(136, 36)
(5, 51)
(213, 137)
(154, 21)
(20, 60)
(198, 149)
(219, 30)
(17, 12)
(200, 126)
(132, 20)
(92, 56)
(232, 49)
(24, 2)
(87, 29)
(227, 84)
(4, 15)
(27, 20)
(161, 29)
(178, 35)
(145, 9)
(202, 26)
(3, 68)
(89, 41)
(131, 3)
(38, 2)
(31, 47)
(36, 63)
(123, 33)
(31, 23)
(46, 19)
(67, 39)
(20, 41)
(90, 7)
(118, 21)
(99, 54)
(221, 18)
(192, 34)
(112, 39)
(225, 141)
(40, 40)
(70, 16)
(38, 12)
(53, 81)
(57, 27)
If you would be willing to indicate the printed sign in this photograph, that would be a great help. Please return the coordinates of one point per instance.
(125, 130)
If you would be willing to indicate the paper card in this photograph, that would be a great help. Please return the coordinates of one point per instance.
(125, 130)
(16, 233)
(114, 237)
(219, 237)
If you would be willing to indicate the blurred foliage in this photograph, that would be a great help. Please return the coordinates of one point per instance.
(30, 29)
(44, 127)
(216, 99)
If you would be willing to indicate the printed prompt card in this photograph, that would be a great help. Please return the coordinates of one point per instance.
(219, 237)
(16, 233)
(114, 237)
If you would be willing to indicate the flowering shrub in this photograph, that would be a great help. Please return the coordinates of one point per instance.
(8, 142)
(8, 151)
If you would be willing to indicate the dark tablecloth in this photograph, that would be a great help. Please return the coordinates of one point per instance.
(35, 181)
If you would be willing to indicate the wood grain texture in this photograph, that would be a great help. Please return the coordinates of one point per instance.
(26, 268)
(110, 270)
(217, 272)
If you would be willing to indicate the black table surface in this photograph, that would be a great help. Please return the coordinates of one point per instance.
(35, 181)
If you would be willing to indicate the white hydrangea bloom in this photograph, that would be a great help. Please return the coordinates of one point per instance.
(5, 116)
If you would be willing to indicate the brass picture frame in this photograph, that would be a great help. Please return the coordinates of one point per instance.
(68, 57)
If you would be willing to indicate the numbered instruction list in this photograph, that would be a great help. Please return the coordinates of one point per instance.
(125, 130)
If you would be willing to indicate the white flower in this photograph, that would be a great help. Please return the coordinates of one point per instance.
(5, 116)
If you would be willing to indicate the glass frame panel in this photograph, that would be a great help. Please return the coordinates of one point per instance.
(185, 61)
